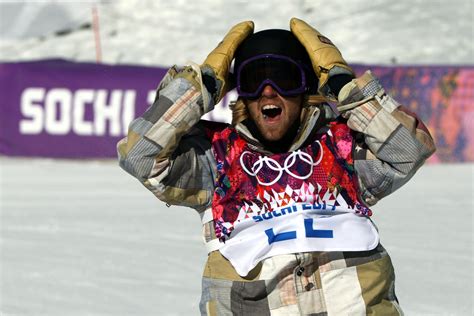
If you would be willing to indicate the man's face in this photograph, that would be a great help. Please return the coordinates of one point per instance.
(274, 114)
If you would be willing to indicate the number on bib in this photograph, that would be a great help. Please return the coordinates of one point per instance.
(310, 232)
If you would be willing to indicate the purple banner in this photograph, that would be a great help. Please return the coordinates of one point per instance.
(62, 109)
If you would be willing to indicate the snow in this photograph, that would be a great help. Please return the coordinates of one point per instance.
(85, 238)
(163, 33)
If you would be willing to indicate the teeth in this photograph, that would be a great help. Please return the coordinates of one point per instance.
(270, 106)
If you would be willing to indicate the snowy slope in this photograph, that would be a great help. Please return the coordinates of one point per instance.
(161, 32)
(101, 244)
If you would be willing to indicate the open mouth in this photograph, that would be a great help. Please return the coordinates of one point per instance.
(271, 111)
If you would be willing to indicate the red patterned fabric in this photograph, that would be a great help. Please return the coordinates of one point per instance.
(250, 183)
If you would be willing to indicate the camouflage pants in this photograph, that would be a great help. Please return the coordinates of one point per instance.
(317, 283)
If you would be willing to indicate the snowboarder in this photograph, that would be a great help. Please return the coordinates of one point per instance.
(284, 191)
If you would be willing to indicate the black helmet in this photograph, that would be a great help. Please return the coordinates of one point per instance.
(276, 42)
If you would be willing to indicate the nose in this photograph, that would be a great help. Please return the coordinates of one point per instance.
(269, 92)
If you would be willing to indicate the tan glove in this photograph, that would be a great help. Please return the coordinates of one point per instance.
(220, 58)
(326, 59)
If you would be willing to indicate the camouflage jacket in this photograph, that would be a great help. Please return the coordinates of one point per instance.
(168, 151)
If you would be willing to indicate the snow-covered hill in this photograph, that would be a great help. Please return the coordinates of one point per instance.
(161, 32)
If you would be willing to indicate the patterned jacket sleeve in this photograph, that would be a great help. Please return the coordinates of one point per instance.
(392, 143)
(166, 148)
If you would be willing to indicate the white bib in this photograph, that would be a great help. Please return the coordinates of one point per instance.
(300, 227)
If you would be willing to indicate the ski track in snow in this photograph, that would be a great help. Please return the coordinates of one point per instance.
(85, 238)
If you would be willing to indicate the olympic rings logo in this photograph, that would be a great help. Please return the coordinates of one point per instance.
(295, 157)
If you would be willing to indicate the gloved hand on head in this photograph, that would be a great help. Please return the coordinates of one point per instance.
(219, 60)
(328, 64)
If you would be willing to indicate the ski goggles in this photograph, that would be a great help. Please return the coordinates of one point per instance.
(284, 74)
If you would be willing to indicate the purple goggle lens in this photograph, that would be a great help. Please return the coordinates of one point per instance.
(284, 74)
